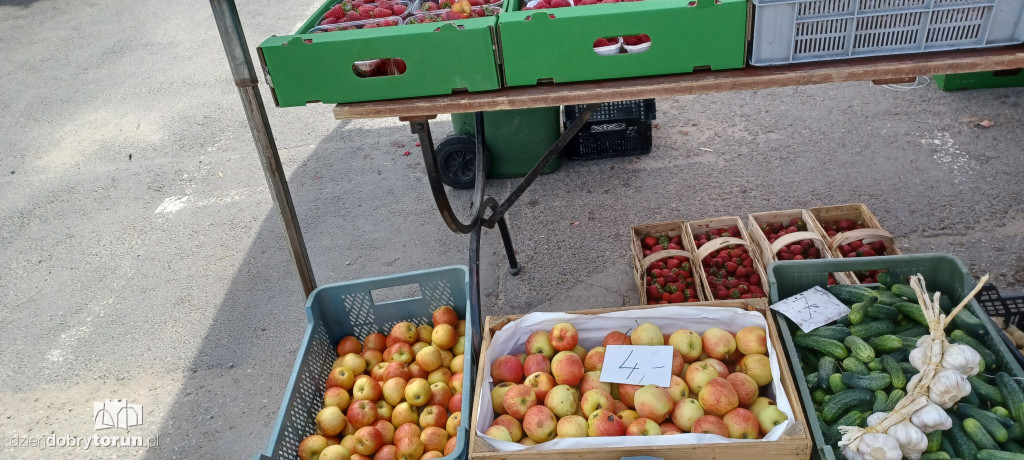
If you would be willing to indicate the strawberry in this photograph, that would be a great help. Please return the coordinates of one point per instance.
(600, 43)
(677, 297)
(367, 9)
(429, 6)
(650, 241)
(352, 16)
(399, 9)
(370, 26)
(560, 4)
(382, 12)
(541, 5)
(336, 12)
(327, 21)
(454, 15)
(444, 4)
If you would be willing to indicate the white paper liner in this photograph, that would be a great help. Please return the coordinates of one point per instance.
(592, 329)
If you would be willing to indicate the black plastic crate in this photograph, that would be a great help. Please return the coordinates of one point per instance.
(609, 139)
(1010, 309)
(639, 109)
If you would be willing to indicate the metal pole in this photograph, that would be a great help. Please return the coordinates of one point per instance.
(231, 34)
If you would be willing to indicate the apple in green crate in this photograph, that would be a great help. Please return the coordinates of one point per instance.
(334, 452)
(368, 440)
(348, 344)
(384, 409)
(361, 413)
(453, 423)
(399, 352)
(312, 446)
(433, 438)
(409, 448)
(341, 377)
(445, 337)
(336, 396)
(455, 383)
(407, 430)
(440, 394)
(387, 430)
(429, 358)
(449, 447)
(403, 332)
(439, 375)
(417, 392)
(393, 390)
(375, 341)
(366, 388)
(330, 421)
(386, 452)
(423, 332)
(404, 413)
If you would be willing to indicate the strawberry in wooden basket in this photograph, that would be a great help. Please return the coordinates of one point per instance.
(668, 279)
(858, 247)
(730, 271)
(798, 250)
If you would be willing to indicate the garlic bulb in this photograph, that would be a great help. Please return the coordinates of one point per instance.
(948, 387)
(931, 418)
(913, 382)
(961, 358)
(924, 342)
(912, 441)
(850, 454)
(878, 446)
(876, 418)
(919, 357)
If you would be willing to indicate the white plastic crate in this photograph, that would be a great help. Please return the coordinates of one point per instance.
(787, 31)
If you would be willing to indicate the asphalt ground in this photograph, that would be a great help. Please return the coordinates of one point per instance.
(143, 258)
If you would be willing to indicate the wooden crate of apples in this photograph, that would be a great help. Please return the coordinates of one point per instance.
(547, 389)
(394, 396)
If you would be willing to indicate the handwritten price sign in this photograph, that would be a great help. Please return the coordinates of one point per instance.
(812, 308)
(637, 365)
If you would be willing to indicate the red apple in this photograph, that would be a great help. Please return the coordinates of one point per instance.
(699, 374)
(718, 397)
(507, 369)
(719, 343)
(349, 344)
(518, 400)
(723, 370)
(445, 315)
(455, 403)
(709, 424)
(643, 427)
(445, 337)
(653, 402)
(366, 388)
(540, 424)
(440, 394)
(742, 424)
(386, 452)
(435, 416)
(540, 342)
(450, 446)
(626, 394)
(668, 428)
(616, 338)
(374, 341)
(752, 340)
(404, 332)
(567, 368)
(594, 360)
(541, 383)
(368, 440)
(404, 413)
(536, 363)
(592, 380)
(515, 429)
(311, 447)
(361, 413)
(372, 357)
(746, 388)
(407, 430)
(596, 399)
(409, 448)
(433, 438)
(341, 377)
(604, 423)
(564, 337)
(571, 426)
(386, 429)
(336, 396)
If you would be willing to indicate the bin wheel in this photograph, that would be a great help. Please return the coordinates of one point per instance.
(456, 160)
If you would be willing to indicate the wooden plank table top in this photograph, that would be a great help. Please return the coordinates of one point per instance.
(703, 82)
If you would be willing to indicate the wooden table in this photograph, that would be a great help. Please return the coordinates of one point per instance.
(863, 69)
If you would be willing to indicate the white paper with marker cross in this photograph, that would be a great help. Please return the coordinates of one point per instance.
(638, 365)
(812, 308)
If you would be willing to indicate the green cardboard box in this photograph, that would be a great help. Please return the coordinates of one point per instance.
(977, 80)
(556, 45)
(440, 58)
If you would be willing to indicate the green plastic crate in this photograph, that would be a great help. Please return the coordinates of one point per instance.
(440, 58)
(337, 310)
(941, 272)
(556, 45)
(976, 80)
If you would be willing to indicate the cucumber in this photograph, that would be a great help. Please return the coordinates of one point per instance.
(972, 399)
(909, 342)
(904, 290)
(991, 454)
(915, 332)
(875, 365)
(812, 380)
(857, 367)
(871, 329)
(826, 367)
(1015, 432)
(886, 343)
(962, 443)
(985, 391)
(898, 378)
(947, 447)
(935, 455)
(999, 410)
(844, 321)
(871, 382)
(908, 369)
(880, 399)
(818, 396)
(978, 434)
(894, 399)
(888, 279)
(959, 336)
(912, 311)
(851, 293)
(859, 349)
(835, 383)
(829, 347)
(879, 311)
(987, 420)
(887, 298)
(844, 401)
(901, 355)
(858, 312)
(831, 332)
(1013, 446)
(966, 321)
(833, 435)
(934, 441)
(1013, 396)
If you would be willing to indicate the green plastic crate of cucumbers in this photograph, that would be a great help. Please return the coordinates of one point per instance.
(859, 364)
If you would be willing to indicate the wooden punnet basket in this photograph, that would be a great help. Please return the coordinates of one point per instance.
(701, 226)
(872, 231)
(641, 263)
(794, 444)
(814, 232)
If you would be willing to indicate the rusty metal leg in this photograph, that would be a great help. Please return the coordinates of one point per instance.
(231, 34)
